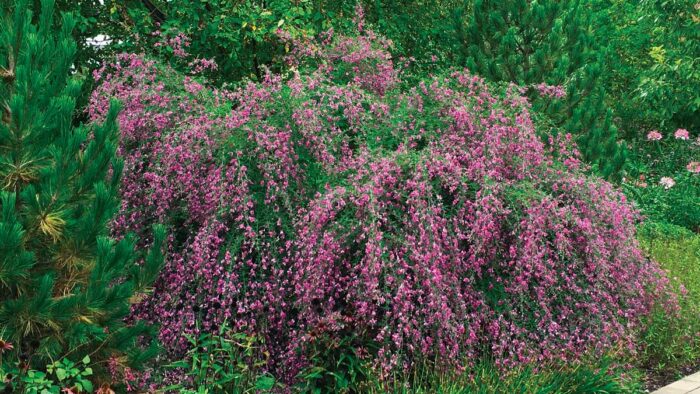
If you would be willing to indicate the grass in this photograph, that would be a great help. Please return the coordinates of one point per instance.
(671, 343)
(486, 379)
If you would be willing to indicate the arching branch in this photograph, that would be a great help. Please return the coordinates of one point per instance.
(158, 15)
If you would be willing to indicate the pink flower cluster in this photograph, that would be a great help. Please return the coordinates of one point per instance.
(679, 134)
(654, 136)
(682, 134)
(430, 222)
(694, 167)
(364, 59)
(550, 91)
(200, 65)
(667, 182)
(177, 43)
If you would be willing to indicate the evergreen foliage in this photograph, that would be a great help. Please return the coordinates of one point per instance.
(550, 42)
(64, 285)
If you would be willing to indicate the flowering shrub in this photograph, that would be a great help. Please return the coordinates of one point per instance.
(473, 240)
(427, 222)
(179, 171)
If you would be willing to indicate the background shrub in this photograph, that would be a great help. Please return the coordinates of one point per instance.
(664, 177)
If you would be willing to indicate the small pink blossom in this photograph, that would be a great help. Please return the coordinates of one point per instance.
(667, 182)
(552, 91)
(642, 181)
(654, 136)
(5, 346)
(682, 134)
(694, 167)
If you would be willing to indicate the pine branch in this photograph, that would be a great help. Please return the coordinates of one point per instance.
(6, 113)
(7, 75)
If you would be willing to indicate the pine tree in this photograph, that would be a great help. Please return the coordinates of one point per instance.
(549, 41)
(65, 287)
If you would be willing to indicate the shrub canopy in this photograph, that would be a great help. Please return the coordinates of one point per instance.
(335, 201)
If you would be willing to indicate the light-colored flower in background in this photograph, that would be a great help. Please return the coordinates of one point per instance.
(667, 182)
(694, 167)
(654, 135)
(682, 134)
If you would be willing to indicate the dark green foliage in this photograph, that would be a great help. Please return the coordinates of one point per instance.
(419, 29)
(240, 36)
(654, 77)
(550, 42)
(64, 285)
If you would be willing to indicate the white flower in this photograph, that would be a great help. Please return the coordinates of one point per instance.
(667, 182)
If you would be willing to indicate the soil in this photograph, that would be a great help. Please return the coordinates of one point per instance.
(655, 380)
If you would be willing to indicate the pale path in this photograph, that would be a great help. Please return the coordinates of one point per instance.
(689, 384)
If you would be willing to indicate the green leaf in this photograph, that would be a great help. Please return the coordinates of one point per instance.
(60, 374)
(86, 360)
(87, 385)
(180, 364)
(265, 383)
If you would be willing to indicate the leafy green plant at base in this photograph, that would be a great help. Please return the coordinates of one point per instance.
(222, 363)
(69, 372)
(672, 342)
(336, 365)
(59, 376)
